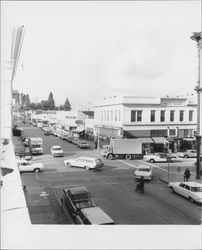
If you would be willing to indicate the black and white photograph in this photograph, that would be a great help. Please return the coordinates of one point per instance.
(101, 125)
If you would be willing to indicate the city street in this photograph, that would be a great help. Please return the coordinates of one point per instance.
(112, 189)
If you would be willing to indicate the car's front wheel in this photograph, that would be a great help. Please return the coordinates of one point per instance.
(69, 164)
(86, 167)
(36, 170)
(110, 157)
(172, 190)
(191, 199)
(152, 160)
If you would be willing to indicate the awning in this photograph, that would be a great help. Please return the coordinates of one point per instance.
(159, 140)
(146, 140)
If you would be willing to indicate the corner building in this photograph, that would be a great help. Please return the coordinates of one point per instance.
(155, 120)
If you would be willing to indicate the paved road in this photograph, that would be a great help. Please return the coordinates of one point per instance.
(112, 189)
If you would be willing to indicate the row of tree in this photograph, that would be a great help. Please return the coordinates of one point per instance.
(24, 103)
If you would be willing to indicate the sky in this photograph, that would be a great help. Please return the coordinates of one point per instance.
(88, 51)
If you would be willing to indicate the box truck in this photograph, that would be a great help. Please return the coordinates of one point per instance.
(35, 145)
(125, 148)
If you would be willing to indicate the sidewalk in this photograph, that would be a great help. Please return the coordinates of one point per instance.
(176, 176)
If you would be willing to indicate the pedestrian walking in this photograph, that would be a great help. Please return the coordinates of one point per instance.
(140, 185)
(187, 174)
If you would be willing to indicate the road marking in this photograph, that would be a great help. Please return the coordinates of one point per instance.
(127, 163)
(150, 164)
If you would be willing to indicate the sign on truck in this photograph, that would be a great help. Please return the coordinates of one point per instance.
(127, 148)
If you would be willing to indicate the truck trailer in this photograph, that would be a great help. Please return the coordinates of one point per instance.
(124, 148)
(35, 145)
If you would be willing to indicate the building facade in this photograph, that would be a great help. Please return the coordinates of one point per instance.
(172, 118)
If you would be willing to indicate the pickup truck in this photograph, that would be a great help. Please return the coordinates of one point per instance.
(76, 198)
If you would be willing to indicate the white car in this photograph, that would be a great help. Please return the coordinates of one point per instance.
(156, 157)
(143, 170)
(189, 154)
(57, 151)
(190, 190)
(85, 162)
(28, 166)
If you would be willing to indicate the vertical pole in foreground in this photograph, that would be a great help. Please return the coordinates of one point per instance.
(198, 38)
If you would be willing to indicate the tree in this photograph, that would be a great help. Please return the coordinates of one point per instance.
(51, 102)
(67, 105)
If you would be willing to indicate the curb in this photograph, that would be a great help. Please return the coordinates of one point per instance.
(163, 180)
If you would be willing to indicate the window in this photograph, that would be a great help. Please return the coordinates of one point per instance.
(162, 115)
(152, 115)
(181, 115)
(133, 115)
(139, 115)
(191, 115)
(104, 115)
(101, 115)
(136, 115)
(172, 115)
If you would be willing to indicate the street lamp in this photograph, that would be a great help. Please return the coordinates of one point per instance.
(196, 36)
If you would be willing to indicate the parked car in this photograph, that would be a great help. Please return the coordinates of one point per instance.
(75, 141)
(70, 138)
(82, 144)
(47, 131)
(156, 157)
(143, 170)
(57, 151)
(28, 166)
(76, 198)
(93, 216)
(191, 153)
(85, 162)
(190, 190)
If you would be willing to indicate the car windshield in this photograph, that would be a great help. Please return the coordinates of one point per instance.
(82, 196)
(57, 148)
(36, 146)
(196, 189)
(144, 169)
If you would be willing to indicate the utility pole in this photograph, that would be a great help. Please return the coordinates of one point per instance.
(196, 36)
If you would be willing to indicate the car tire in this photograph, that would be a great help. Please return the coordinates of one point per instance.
(69, 165)
(110, 157)
(172, 190)
(128, 157)
(191, 199)
(86, 167)
(36, 170)
(186, 156)
(152, 160)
